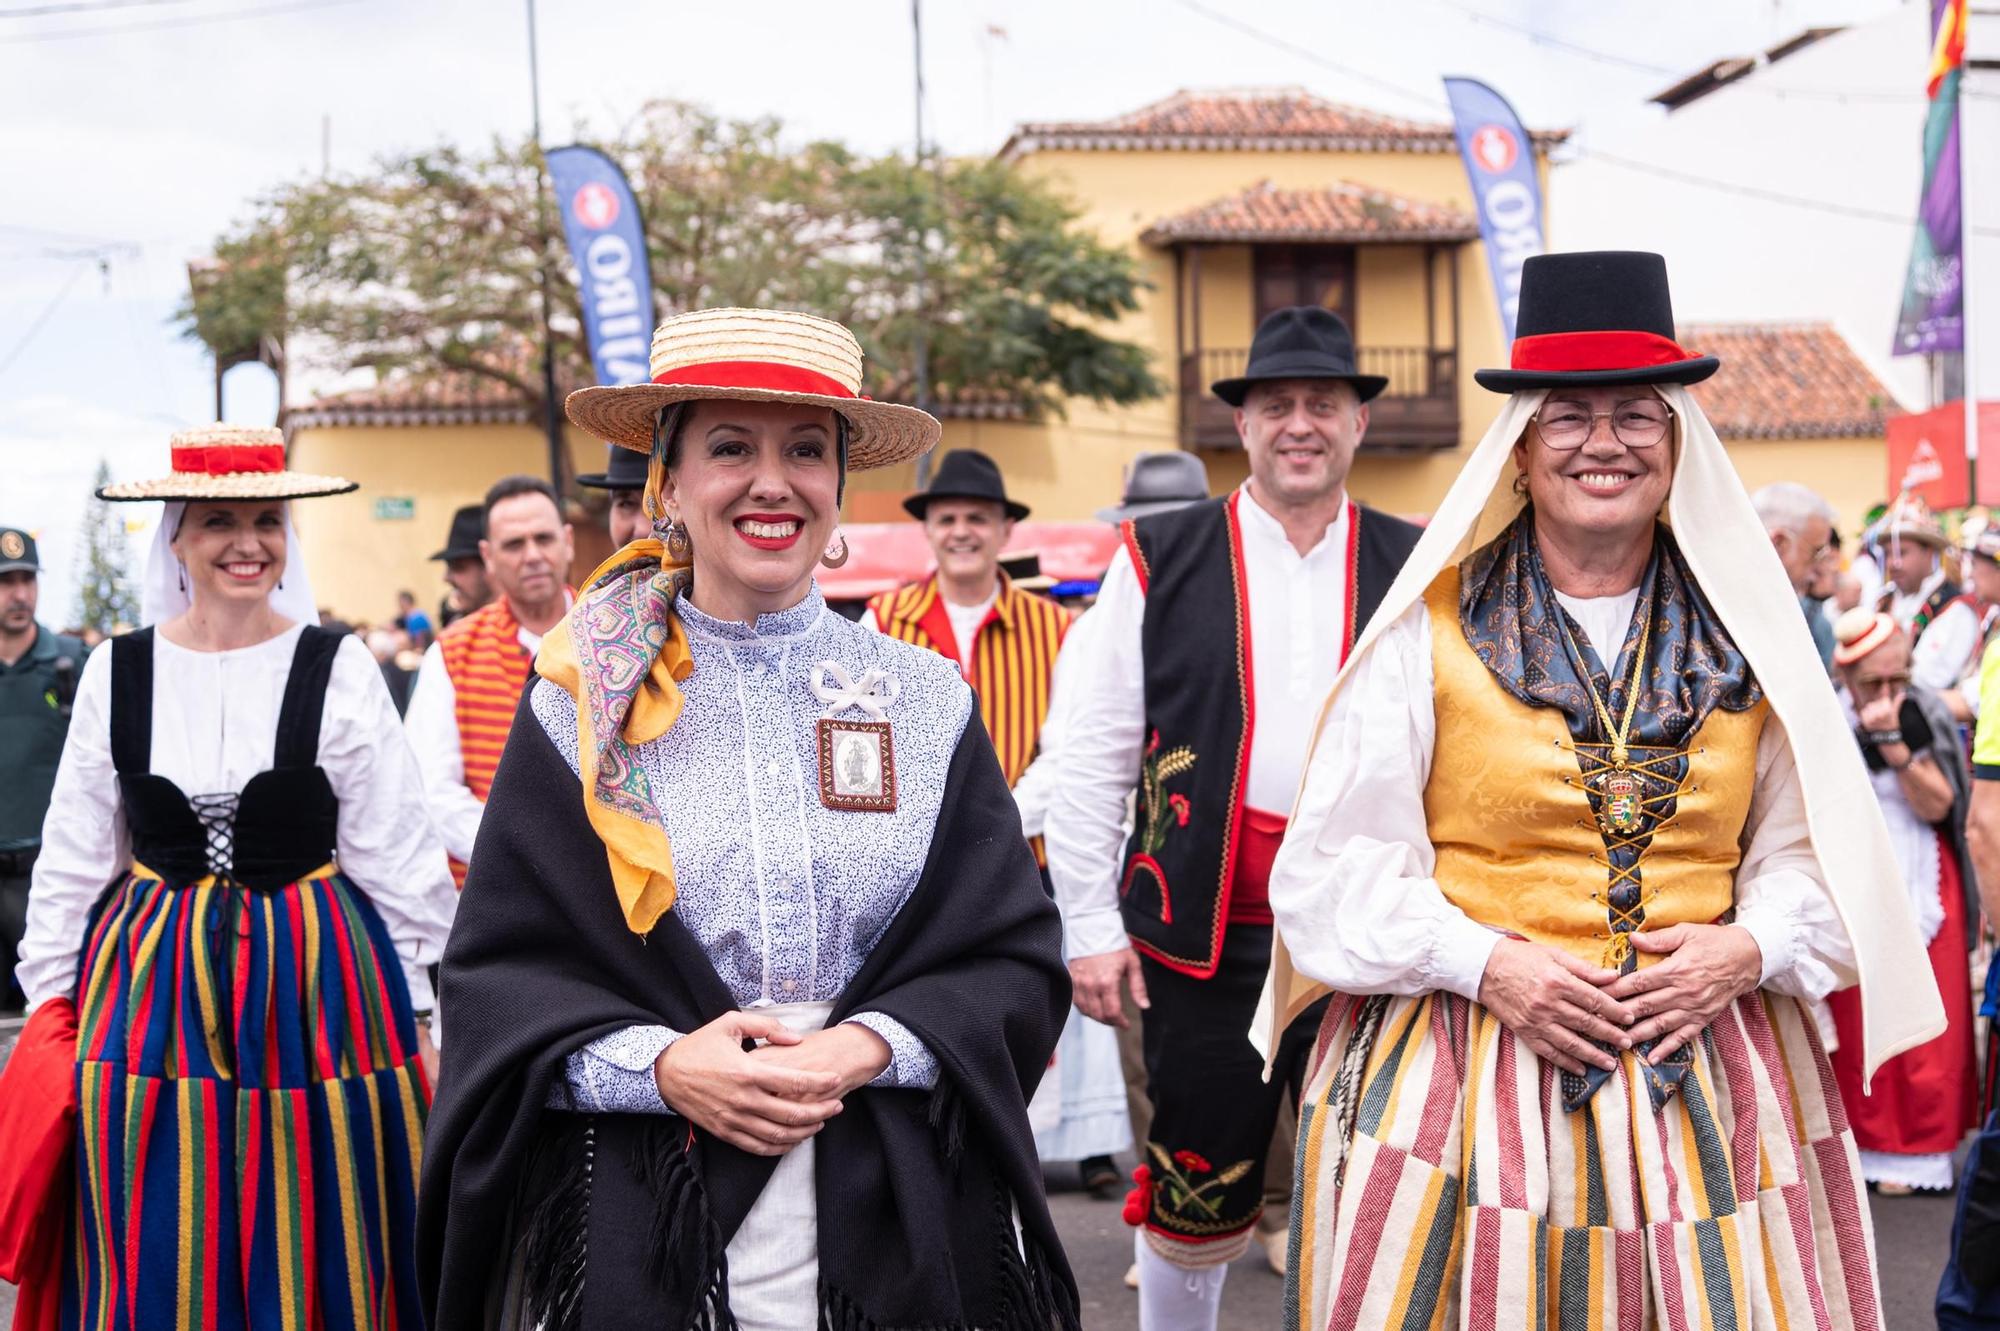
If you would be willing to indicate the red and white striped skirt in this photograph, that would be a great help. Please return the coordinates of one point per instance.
(1464, 1195)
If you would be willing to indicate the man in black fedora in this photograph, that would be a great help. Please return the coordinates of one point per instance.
(464, 570)
(1003, 638)
(624, 475)
(1225, 622)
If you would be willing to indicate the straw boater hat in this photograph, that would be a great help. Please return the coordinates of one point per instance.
(1860, 631)
(1910, 519)
(757, 356)
(229, 462)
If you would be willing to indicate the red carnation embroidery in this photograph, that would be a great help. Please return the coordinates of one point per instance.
(1181, 808)
(1194, 1161)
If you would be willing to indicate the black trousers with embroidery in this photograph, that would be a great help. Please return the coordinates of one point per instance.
(1213, 1112)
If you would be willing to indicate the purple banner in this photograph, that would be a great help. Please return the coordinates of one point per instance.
(1933, 313)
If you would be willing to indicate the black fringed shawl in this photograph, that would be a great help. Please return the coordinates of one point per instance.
(534, 1216)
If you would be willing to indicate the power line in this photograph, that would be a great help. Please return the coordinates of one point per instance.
(191, 21)
(1667, 173)
(1310, 57)
(1539, 38)
(83, 6)
(7, 361)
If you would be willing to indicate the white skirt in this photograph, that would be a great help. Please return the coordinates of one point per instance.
(774, 1258)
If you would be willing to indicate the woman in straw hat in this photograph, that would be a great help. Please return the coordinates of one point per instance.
(1582, 836)
(250, 993)
(754, 975)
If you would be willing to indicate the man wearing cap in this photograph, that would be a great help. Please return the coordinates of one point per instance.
(624, 475)
(1924, 598)
(1003, 639)
(472, 678)
(1223, 626)
(464, 571)
(38, 675)
(1922, 1102)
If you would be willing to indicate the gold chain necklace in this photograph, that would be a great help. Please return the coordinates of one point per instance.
(1621, 796)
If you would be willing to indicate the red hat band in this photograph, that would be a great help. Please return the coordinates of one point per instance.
(227, 459)
(768, 375)
(1610, 349)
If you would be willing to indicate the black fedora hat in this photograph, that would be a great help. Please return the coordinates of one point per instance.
(468, 528)
(965, 473)
(1595, 317)
(1300, 342)
(624, 470)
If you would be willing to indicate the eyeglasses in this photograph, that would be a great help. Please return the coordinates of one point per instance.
(1886, 684)
(1639, 423)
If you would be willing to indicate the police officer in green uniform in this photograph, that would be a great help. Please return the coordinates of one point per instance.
(38, 674)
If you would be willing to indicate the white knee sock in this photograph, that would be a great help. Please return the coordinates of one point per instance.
(1175, 1298)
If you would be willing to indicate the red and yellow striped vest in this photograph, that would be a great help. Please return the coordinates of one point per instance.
(1013, 658)
(489, 671)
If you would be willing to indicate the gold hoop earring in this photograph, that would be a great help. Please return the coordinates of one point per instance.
(1521, 483)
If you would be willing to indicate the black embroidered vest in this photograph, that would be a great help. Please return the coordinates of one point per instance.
(280, 827)
(1200, 713)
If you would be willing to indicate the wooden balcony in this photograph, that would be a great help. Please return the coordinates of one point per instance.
(1417, 412)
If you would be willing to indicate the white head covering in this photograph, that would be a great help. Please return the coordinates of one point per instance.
(164, 593)
(1731, 556)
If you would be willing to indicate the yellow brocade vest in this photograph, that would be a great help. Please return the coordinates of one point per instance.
(1517, 845)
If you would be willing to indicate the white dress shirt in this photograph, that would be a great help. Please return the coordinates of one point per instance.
(432, 722)
(1948, 647)
(1352, 889)
(1298, 629)
(1036, 789)
(215, 724)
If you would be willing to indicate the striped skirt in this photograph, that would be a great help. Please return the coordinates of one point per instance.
(1467, 1197)
(251, 1113)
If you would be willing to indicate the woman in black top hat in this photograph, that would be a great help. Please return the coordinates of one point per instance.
(1581, 840)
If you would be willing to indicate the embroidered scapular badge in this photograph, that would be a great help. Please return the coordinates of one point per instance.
(857, 758)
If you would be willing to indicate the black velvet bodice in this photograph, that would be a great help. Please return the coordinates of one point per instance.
(281, 826)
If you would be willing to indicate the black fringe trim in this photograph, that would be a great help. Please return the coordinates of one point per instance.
(555, 1221)
(684, 1246)
(947, 1119)
(1033, 1300)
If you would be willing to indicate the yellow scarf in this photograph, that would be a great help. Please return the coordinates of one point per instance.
(621, 654)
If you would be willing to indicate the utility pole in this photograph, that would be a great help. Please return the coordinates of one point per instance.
(920, 346)
(1981, 65)
(552, 409)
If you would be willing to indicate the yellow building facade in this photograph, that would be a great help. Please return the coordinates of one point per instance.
(1231, 204)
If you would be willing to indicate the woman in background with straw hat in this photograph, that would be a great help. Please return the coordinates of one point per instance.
(754, 974)
(249, 994)
(1581, 837)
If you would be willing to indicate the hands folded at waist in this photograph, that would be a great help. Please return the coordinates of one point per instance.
(768, 1099)
(1571, 1012)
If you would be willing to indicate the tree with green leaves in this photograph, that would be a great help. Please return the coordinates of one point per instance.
(431, 262)
(105, 600)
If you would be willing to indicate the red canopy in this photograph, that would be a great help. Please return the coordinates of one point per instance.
(885, 555)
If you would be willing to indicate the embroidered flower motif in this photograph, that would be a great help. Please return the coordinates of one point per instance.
(1157, 769)
(1180, 1194)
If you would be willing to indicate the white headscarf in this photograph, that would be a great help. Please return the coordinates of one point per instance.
(1731, 556)
(164, 593)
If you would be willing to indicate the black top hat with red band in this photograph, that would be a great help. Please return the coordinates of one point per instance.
(1595, 317)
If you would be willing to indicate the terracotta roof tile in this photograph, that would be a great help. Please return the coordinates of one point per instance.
(1258, 119)
(1342, 213)
(1787, 381)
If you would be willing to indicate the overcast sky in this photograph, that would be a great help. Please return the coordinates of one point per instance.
(144, 127)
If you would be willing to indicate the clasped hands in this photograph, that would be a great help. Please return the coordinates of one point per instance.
(1564, 1009)
(768, 1099)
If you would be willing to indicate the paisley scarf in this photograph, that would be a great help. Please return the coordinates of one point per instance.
(621, 654)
